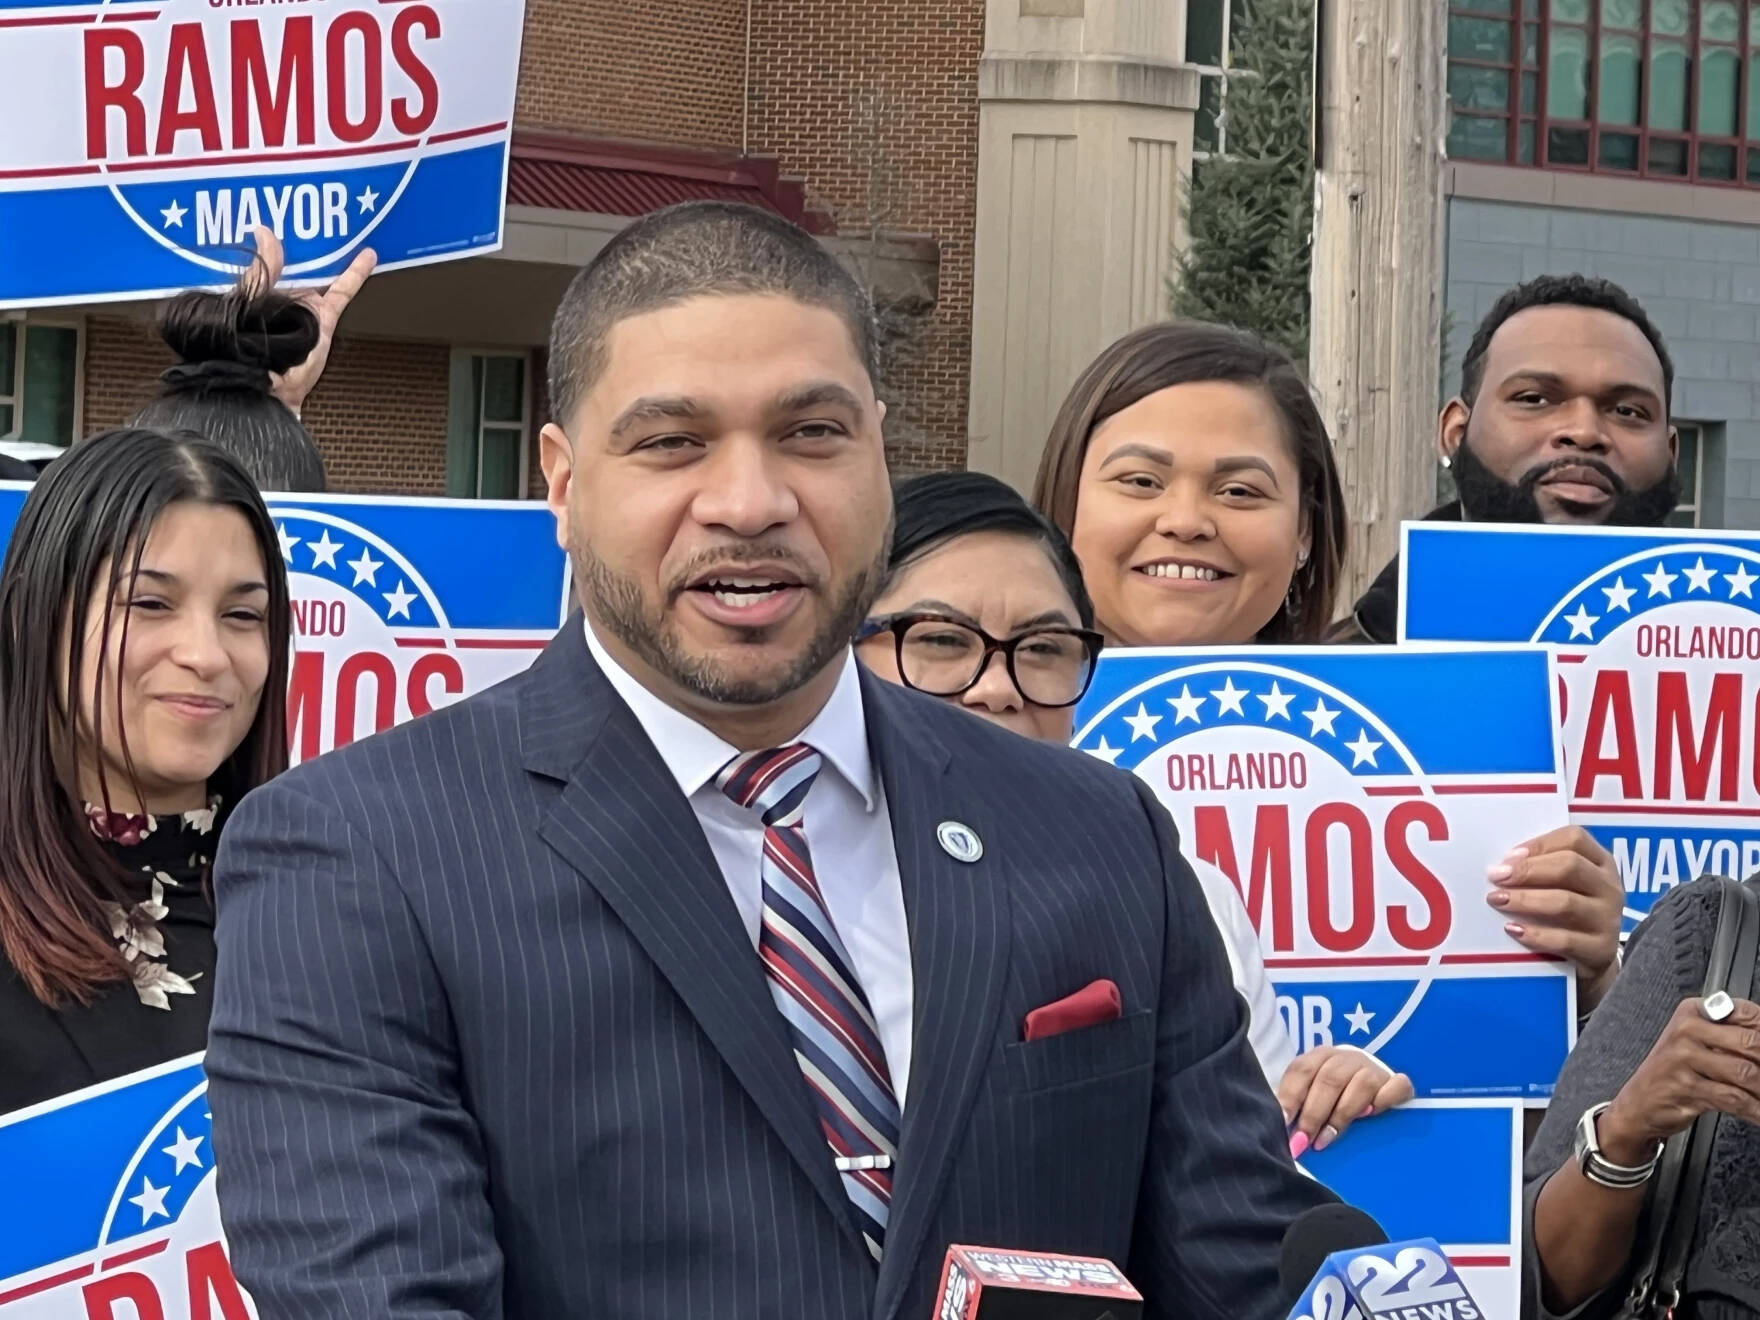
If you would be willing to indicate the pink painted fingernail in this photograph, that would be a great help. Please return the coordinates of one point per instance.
(1497, 898)
(1515, 854)
(1298, 1145)
(1500, 872)
(1367, 1111)
(1514, 931)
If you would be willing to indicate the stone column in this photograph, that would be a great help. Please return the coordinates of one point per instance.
(1086, 114)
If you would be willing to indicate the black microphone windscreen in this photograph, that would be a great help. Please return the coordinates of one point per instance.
(1315, 1235)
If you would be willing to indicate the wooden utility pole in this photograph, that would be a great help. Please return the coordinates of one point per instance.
(1375, 350)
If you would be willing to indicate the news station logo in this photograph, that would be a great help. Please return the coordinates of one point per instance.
(1406, 1281)
(156, 1248)
(373, 645)
(1660, 690)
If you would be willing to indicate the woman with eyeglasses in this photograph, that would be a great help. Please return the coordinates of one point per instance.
(984, 605)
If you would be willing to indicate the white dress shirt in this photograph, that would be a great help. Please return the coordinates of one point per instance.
(849, 833)
(1246, 962)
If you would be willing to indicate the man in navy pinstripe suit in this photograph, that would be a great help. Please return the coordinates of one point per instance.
(692, 973)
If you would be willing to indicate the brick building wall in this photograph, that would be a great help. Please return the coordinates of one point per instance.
(658, 70)
(875, 104)
(378, 414)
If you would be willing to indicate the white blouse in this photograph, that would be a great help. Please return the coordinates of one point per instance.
(1265, 1028)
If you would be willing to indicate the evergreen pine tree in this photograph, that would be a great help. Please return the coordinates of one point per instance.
(1250, 213)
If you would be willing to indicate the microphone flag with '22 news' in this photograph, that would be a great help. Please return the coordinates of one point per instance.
(987, 1283)
(1397, 1281)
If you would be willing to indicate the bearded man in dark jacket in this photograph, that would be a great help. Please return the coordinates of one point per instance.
(1562, 417)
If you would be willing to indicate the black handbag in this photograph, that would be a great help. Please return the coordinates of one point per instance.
(1671, 1210)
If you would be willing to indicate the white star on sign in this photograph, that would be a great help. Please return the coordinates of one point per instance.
(287, 542)
(1699, 577)
(1660, 581)
(174, 215)
(368, 199)
(324, 550)
(1619, 596)
(1277, 702)
(1230, 698)
(399, 601)
(1363, 750)
(1186, 706)
(1741, 582)
(1321, 717)
(1103, 752)
(151, 1201)
(183, 1150)
(1582, 622)
(1142, 723)
(1359, 1021)
(365, 567)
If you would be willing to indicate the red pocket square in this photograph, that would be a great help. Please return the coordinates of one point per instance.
(1087, 1007)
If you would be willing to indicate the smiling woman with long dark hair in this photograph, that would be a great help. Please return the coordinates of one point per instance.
(144, 632)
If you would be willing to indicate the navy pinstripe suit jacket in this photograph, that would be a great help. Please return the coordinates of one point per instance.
(490, 1041)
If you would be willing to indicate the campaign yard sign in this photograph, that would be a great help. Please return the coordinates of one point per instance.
(1657, 635)
(402, 605)
(140, 140)
(123, 1221)
(1444, 1169)
(1356, 798)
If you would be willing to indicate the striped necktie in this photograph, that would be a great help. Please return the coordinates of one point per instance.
(813, 982)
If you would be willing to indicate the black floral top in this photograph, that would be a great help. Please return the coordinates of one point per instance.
(166, 933)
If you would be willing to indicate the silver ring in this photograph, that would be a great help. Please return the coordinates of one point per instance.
(1717, 1006)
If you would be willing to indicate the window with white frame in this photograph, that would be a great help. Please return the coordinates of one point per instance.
(40, 381)
(1690, 463)
(1210, 28)
(489, 425)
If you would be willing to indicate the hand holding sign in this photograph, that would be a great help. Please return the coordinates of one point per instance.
(329, 304)
(1562, 895)
(1330, 1087)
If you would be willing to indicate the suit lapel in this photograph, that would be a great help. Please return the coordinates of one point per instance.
(622, 823)
(957, 915)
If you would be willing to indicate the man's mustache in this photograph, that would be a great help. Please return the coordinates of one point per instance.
(1535, 475)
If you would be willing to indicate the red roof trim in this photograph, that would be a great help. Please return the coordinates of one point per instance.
(620, 178)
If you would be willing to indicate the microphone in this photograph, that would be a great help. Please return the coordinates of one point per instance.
(1374, 1279)
(989, 1283)
(1317, 1234)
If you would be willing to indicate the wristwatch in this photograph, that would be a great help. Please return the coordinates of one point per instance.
(1595, 1168)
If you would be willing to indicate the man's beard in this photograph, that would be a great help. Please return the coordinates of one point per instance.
(1486, 497)
(617, 603)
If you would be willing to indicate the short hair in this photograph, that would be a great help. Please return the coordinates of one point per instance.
(929, 511)
(230, 346)
(688, 251)
(1158, 357)
(1561, 291)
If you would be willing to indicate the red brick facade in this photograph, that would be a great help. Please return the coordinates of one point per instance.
(872, 104)
(653, 70)
(875, 104)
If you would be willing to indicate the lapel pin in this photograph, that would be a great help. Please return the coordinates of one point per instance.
(960, 842)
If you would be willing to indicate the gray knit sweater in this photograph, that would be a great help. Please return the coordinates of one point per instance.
(1665, 963)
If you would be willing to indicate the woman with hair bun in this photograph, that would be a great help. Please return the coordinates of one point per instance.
(246, 360)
